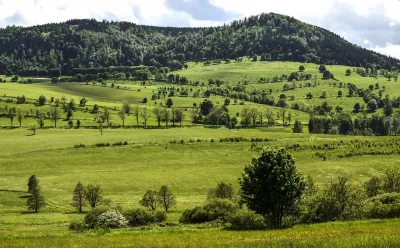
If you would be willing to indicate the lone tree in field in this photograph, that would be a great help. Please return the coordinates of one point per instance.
(36, 200)
(271, 185)
(166, 198)
(55, 115)
(150, 200)
(301, 68)
(222, 191)
(93, 195)
(32, 182)
(33, 127)
(78, 197)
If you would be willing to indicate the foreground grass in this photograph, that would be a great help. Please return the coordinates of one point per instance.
(384, 233)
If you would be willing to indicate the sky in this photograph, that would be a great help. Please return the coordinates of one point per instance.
(373, 24)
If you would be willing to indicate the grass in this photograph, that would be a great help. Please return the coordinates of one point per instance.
(154, 157)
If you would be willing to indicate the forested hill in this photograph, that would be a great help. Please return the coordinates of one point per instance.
(89, 43)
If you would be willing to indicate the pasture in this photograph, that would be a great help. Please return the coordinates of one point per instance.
(189, 159)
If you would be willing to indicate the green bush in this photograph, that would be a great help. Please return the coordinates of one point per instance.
(384, 206)
(141, 217)
(77, 227)
(92, 216)
(246, 220)
(195, 215)
(216, 209)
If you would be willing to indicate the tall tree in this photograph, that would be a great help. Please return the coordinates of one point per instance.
(126, 106)
(106, 116)
(136, 113)
(93, 195)
(11, 115)
(166, 115)
(145, 114)
(32, 182)
(20, 116)
(78, 197)
(122, 115)
(166, 198)
(158, 112)
(55, 115)
(150, 199)
(36, 200)
(271, 185)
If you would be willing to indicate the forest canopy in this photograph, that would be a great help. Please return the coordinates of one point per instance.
(91, 44)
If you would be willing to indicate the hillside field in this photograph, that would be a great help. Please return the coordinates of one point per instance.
(190, 159)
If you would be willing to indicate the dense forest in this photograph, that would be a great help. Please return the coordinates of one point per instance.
(92, 44)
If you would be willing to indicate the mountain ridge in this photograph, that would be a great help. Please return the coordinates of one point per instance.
(87, 43)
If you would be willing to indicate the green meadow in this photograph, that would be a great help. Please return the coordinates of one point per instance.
(190, 159)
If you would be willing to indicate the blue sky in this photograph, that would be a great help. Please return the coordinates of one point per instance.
(373, 24)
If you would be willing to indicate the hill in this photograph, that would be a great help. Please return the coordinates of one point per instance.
(89, 43)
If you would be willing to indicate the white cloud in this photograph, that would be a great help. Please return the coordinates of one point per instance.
(389, 49)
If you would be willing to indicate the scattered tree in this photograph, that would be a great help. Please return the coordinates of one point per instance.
(33, 127)
(222, 191)
(94, 195)
(78, 197)
(36, 200)
(166, 198)
(150, 199)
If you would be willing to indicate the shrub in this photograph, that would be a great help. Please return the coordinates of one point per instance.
(77, 226)
(216, 209)
(92, 216)
(140, 217)
(222, 191)
(79, 146)
(341, 199)
(195, 215)
(246, 220)
(385, 206)
(111, 219)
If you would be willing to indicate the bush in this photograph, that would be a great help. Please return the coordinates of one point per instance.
(92, 216)
(216, 209)
(195, 215)
(111, 219)
(140, 217)
(384, 206)
(246, 220)
(77, 226)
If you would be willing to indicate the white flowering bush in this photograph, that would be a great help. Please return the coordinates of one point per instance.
(112, 219)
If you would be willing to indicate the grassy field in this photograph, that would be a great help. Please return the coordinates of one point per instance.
(154, 157)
